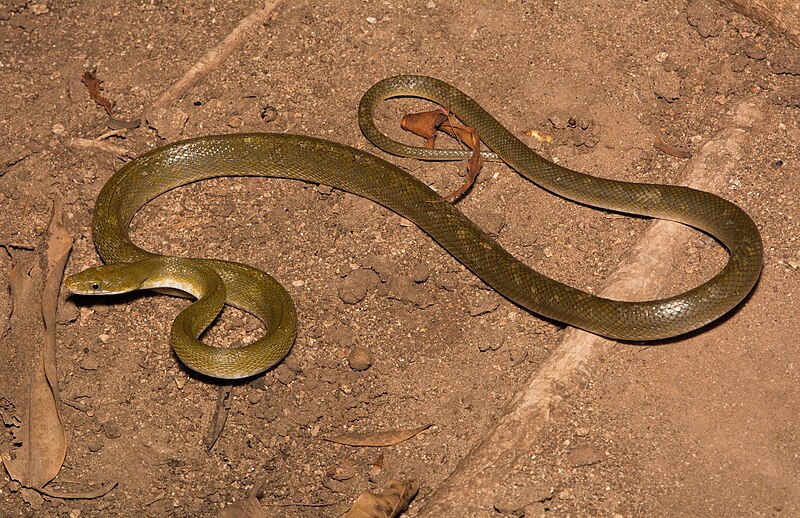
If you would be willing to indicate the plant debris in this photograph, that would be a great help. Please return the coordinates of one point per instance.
(95, 88)
(387, 438)
(386, 504)
(427, 124)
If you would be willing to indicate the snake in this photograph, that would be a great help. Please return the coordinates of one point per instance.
(215, 283)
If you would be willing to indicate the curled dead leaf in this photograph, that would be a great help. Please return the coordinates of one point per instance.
(386, 438)
(669, 149)
(386, 504)
(34, 286)
(426, 124)
(95, 88)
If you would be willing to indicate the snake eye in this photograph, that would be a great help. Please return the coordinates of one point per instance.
(95, 286)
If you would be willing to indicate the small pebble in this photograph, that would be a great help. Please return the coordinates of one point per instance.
(586, 455)
(112, 430)
(354, 287)
(558, 121)
(284, 374)
(380, 265)
(739, 63)
(344, 471)
(484, 304)
(335, 485)
(342, 337)
(95, 445)
(255, 397)
(39, 9)
(667, 86)
(293, 364)
(359, 358)
(404, 289)
(420, 272)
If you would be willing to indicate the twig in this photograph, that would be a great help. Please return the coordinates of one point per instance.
(119, 132)
(155, 499)
(85, 143)
(75, 495)
(220, 415)
(18, 246)
(212, 60)
(299, 504)
(670, 149)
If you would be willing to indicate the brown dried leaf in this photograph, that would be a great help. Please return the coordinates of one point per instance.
(387, 504)
(473, 168)
(79, 495)
(220, 415)
(44, 445)
(95, 88)
(250, 507)
(387, 438)
(426, 124)
(539, 135)
(669, 149)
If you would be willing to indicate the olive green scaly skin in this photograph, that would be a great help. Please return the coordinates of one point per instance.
(314, 160)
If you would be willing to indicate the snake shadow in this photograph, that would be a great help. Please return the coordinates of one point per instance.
(108, 303)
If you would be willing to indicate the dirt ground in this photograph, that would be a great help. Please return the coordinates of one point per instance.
(706, 426)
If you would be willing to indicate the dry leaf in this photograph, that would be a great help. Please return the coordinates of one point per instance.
(250, 507)
(95, 88)
(387, 504)
(426, 124)
(220, 415)
(387, 438)
(83, 495)
(43, 448)
(670, 149)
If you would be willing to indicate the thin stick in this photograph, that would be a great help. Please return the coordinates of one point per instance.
(101, 145)
(212, 60)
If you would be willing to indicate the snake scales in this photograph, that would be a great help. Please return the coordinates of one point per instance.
(215, 282)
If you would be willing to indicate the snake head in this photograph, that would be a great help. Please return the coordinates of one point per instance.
(109, 279)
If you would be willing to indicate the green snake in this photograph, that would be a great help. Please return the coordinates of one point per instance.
(215, 283)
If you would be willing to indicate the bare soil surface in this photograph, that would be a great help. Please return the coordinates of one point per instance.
(704, 426)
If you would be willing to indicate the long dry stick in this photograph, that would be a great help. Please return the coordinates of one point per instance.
(212, 60)
(478, 479)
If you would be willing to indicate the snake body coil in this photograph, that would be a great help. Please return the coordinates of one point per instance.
(348, 169)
